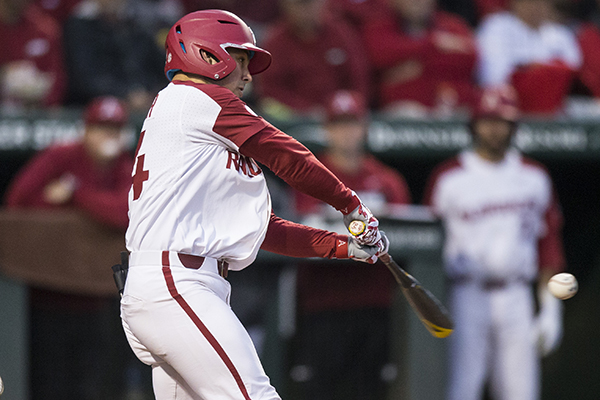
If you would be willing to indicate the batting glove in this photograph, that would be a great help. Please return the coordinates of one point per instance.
(370, 235)
(350, 248)
(548, 326)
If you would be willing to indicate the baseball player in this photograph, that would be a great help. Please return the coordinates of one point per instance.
(502, 221)
(199, 206)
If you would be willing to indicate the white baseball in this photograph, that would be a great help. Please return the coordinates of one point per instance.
(1, 386)
(563, 286)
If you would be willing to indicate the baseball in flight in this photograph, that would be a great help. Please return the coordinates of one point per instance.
(563, 286)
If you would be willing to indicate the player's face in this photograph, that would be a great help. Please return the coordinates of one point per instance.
(240, 77)
(346, 136)
(493, 136)
(103, 142)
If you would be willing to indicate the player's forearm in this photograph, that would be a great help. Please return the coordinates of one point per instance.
(109, 208)
(298, 167)
(27, 188)
(296, 240)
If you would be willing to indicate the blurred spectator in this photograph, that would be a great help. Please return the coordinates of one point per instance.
(258, 13)
(60, 10)
(467, 9)
(344, 310)
(155, 17)
(587, 30)
(108, 54)
(588, 36)
(31, 61)
(70, 335)
(357, 12)
(314, 54)
(424, 58)
(503, 234)
(488, 7)
(525, 48)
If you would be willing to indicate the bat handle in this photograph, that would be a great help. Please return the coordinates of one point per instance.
(385, 257)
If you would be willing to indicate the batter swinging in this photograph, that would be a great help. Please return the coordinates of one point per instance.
(199, 205)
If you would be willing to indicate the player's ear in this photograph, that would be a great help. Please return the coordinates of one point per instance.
(208, 57)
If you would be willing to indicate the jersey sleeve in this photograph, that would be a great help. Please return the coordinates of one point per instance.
(108, 206)
(298, 167)
(550, 247)
(226, 116)
(237, 122)
(295, 240)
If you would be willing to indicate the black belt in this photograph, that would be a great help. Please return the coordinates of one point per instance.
(487, 283)
(195, 262)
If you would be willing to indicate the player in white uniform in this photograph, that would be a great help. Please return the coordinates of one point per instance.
(199, 205)
(502, 221)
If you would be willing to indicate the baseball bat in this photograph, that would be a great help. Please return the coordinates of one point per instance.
(428, 308)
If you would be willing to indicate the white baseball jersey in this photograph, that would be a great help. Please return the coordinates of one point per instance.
(193, 192)
(493, 215)
(505, 43)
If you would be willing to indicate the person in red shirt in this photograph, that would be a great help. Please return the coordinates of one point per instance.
(32, 71)
(314, 54)
(346, 297)
(588, 36)
(92, 175)
(60, 10)
(584, 19)
(424, 59)
(487, 7)
(356, 13)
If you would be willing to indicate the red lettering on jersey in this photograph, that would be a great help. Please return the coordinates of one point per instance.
(139, 144)
(243, 164)
(233, 158)
(139, 177)
(152, 106)
(253, 168)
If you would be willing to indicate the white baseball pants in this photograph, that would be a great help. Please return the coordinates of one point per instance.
(492, 341)
(178, 320)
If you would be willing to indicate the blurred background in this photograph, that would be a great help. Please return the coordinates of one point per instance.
(421, 65)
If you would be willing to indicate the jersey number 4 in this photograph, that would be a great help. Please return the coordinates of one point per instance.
(140, 175)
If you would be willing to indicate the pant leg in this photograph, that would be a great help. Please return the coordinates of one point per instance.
(187, 323)
(516, 365)
(169, 385)
(469, 348)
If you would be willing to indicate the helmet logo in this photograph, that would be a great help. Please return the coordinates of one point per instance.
(169, 57)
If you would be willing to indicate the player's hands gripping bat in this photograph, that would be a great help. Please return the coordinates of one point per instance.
(428, 308)
(364, 225)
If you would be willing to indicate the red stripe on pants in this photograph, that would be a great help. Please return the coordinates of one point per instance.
(203, 329)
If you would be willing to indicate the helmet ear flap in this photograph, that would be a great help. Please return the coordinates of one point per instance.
(221, 66)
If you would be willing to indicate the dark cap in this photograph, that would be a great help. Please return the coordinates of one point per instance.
(346, 104)
(106, 110)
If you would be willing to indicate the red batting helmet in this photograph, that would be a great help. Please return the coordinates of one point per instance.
(212, 31)
(498, 102)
